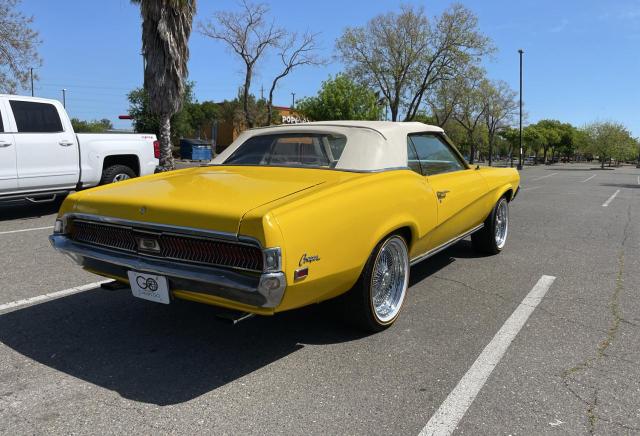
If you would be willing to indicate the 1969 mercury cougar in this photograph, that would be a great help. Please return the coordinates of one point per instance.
(288, 216)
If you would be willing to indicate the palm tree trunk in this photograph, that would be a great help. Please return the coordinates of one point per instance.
(166, 153)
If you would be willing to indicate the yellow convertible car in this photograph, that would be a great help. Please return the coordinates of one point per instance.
(289, 216)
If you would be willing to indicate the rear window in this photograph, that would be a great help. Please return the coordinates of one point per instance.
(33, 117)
(292, 149)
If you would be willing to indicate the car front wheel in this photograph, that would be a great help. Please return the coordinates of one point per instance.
(375, 301)
(492, 238)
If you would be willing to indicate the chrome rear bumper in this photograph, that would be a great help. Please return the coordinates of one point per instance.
(252, 289)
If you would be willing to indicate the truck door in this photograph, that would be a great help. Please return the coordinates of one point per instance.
(46, 147)
(8, 172)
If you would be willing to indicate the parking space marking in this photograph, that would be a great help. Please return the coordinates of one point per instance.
(451, 411)
(586, 180)
(25, 230)
(50, 296)
(544, 177)
(606, 203)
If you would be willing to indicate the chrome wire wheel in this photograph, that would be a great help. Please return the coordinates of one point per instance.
(389, 279)
(502, 223)
(120, 177)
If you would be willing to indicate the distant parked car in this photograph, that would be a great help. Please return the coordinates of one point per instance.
(41, 156)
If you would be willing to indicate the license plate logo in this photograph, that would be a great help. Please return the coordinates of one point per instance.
(149, 287)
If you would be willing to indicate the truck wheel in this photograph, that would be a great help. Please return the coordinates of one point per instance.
(116, 173)
(374, 303)
(492, 238)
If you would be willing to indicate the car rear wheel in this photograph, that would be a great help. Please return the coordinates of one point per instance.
(492, 238)
(116, 173)
(375, 301)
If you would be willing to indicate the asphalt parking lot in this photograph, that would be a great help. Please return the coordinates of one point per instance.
(97, 361)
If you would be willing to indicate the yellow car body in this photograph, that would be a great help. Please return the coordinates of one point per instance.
(325, 220)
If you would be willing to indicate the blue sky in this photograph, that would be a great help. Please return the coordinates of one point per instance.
(582, 60)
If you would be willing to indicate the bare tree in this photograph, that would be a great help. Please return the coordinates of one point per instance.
(471, 107)
(500, 108)
(443, 101)
(386, 53)
(166, 27)
(293, 53)
(248, 34)
(454, 43)
(404, 55)
(18, 48)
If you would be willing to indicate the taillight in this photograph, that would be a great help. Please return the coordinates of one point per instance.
(156, 149)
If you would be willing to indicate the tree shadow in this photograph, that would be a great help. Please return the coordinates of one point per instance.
(171, 354)
(21, 209)
(555, 169)
(621, 185)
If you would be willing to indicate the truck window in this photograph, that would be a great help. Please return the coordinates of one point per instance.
(33, 117)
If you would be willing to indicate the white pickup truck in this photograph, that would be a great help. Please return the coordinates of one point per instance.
(42, 157)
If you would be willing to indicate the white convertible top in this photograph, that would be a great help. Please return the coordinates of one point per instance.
(371, 145)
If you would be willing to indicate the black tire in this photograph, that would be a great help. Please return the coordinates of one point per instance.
(484, 240)
(358, 307)
(110, 174)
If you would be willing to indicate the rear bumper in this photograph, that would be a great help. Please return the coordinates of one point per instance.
(256, 290)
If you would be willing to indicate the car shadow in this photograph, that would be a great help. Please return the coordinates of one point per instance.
(154, 353)
(22, 209)
(166, 355)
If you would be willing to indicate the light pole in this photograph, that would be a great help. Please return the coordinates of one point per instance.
(293, 100)
(520, 162)
(144, 65)
(64, 98)
(31, 73)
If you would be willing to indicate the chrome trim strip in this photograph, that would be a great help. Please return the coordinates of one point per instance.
(229, 284)
(310, 126)
(344, 170)
(165, 228)
(447, 244)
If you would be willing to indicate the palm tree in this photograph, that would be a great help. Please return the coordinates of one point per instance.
(166, 26)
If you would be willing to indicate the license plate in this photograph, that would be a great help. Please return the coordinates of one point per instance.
(149, 287)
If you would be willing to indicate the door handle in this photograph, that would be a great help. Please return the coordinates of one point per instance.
(65, 143)
(441, 195)
(4, 144)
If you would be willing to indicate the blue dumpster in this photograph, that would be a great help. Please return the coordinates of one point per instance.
(195, 149)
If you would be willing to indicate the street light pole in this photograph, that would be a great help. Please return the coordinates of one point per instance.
(64, 98)
(520, 162)
(293, 100)
(31, 73)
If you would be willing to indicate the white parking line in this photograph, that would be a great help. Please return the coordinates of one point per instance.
(451, 411)
(586, 180)
(50, 296)
(606, 203)
(544, 177)
(26, 230)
